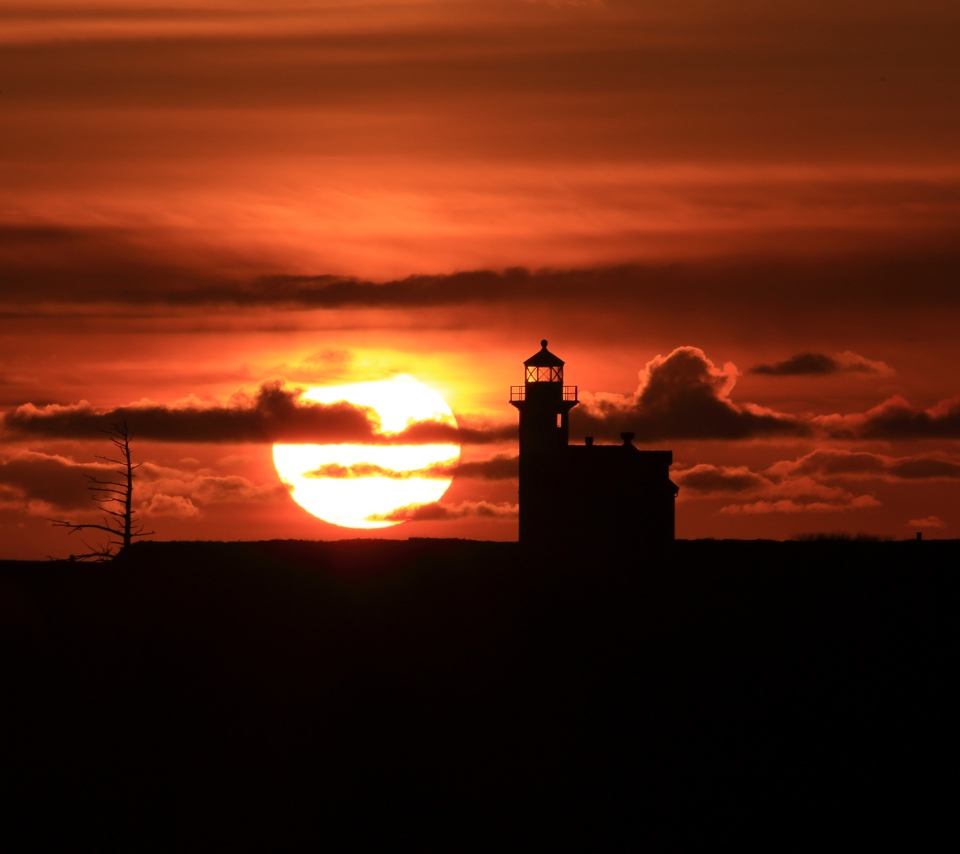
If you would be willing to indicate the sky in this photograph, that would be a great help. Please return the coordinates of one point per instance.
(738, 222)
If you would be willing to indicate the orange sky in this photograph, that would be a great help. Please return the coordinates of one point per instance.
(197, 199)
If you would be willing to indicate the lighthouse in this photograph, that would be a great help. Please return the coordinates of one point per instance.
(544, 403)
(604, 494)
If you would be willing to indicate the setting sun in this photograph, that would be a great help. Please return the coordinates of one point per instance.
(363, 486)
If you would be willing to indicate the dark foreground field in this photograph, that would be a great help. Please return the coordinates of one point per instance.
(468, 696)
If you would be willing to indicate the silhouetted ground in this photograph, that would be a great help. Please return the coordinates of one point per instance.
(461, 695)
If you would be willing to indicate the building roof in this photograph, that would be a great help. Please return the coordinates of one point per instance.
(619, 452)
(544, 358)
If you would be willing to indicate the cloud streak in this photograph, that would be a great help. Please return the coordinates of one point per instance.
(819, 364)
(761, 493)
(765, 493)
(813, 478)
(835, 503)
(40, 484)
(500, 467)
(818, 482)
(78, 268)
(46, 481)
(448, 512)
(273, 413)
(932, 522)
(827, 462)
(897, 419)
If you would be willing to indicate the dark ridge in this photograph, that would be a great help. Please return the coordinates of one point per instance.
(463, 695)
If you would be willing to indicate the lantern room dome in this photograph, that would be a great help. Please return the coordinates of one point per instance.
(543, 358)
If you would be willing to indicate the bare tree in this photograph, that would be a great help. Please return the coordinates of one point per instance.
(115, 498)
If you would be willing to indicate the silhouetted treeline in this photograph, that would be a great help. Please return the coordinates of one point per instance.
(461, 694)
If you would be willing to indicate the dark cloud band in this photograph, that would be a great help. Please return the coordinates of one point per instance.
(683, 395)
(447, 512)
(44, 264)
(819, 364)
(500, 467)
(274, 413)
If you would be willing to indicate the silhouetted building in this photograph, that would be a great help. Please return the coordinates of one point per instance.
(605, 493)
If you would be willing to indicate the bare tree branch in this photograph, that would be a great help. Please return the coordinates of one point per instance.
(120, 521)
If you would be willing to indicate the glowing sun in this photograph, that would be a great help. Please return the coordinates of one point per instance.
(367, 486)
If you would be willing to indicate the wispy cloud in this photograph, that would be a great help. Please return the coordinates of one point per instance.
(275, 412)
(819, 364)
(448, 512)
(934, 522)
(41, 484)
(500, 467)
(897, 418)
(825, 480)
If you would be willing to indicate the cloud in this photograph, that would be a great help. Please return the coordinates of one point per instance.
(828, 462)
(705, 478)
(80, 266)
(925, 468)
(500, 467)
(794, 486)
(11, 499)
(682, 396)
(202, 487)
(788, 505)
(361, 470)
(819, 364)
(274, 413)
(45, 484)
(896, 418)
(170, 505)
(467, 431)
(61, 267)
(54, 480)
(802, 494)
(854, 363)
(927, 522)
(448, 512)
(780, 490)
(802, 363)
(41, 484)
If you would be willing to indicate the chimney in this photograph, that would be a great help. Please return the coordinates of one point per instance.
(588, 441)
(627, 438)
(919, 536)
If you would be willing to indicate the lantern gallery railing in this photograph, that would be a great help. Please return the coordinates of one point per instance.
(519, 392)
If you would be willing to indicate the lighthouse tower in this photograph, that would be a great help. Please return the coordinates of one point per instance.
(544, 403)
